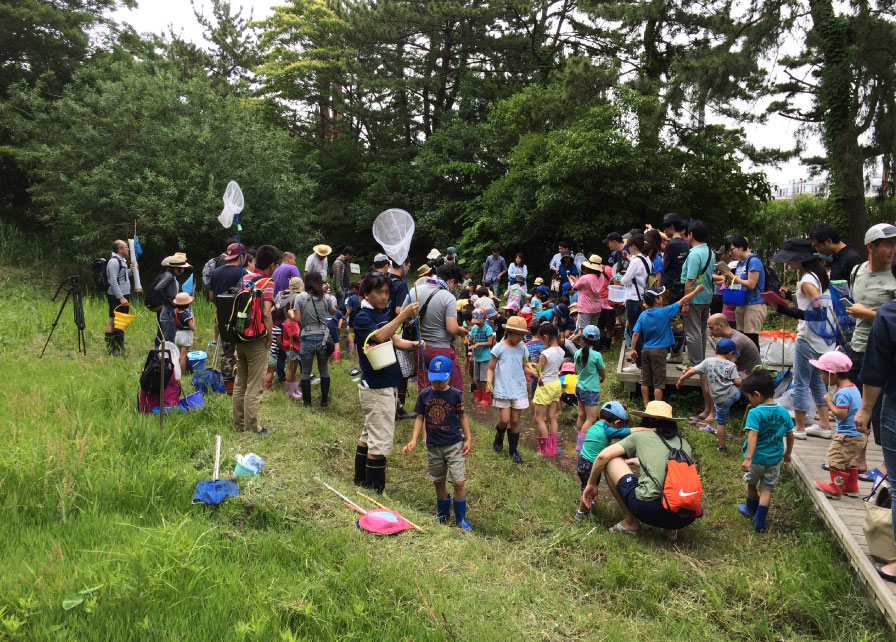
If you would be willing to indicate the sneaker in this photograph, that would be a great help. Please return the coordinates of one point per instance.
(354, 372)
(315, 381)
(582, 516)
(631, 369)
(265, 431)
(673, 358)
(800, 434)
(816, 431)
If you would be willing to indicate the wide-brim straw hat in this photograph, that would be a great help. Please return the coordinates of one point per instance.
(423, 270)
(322, 250)
(594, 262)
(178, 259)
(183, 298)
(516, 324)
(296, 284)
(657, 410)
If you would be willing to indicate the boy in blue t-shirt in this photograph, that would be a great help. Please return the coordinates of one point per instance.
(767, 425)
(849, 441)
(441, 409)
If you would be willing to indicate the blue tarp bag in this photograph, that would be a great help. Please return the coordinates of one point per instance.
(214, 492)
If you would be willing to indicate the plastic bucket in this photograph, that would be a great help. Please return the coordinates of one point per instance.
(736, 298)
(192, 402)
(121, 320)
(381, 355)
(616, 294)
(196, 359)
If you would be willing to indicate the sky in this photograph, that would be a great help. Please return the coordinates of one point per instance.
(155, 16)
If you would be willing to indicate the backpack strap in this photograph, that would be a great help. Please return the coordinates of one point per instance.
(854, 274)
(635, 280)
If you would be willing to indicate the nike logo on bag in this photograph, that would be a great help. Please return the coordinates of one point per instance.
(684, 494)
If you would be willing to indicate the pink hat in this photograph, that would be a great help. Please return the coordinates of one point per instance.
(832, 362)
(513, 305)
(569, 366)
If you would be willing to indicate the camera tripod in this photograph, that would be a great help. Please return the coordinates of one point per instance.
(73, 290)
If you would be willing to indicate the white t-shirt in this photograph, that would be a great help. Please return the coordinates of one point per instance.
(637, 274)
(553, 359)
(803, 331)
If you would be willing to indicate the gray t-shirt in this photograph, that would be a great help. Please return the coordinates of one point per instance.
(720, 375)
(871, 289)
(441, 306)
(314, 313)
(749, 354)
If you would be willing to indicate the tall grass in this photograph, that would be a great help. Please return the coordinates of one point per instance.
(100, 541)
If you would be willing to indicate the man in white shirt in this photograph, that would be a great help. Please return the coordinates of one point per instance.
(317, 262)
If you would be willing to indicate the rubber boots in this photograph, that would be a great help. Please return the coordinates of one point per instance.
(443, 509)
(306, 393)
(118, 342)
(460, 514)
(835, 489)
(110, 343)
(499, 439)
(851, 486)
(486, 398)
(477, 396)
(324, 392)
(543, 446)
(552, 444)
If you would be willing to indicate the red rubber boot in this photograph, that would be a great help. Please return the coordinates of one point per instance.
(835, 489)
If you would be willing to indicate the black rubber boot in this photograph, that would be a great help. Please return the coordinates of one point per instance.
(499, 439)
(110, 343)
(306, 392)
(324, 392)
(118, 341)
(513, 440)
(361, 466)
(376, 475)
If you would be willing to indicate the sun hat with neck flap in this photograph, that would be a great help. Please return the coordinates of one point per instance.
(795, 250)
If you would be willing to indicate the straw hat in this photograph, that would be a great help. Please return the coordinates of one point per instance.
(657, 410)
(424, 270)
(178, 259)
(296, 284)
(322, 250)
(516, 324)
(183, 298)
(573, 308)
(594, 262)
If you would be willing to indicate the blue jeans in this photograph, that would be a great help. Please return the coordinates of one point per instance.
(806, 378)
(632, 312)
(314, 345)
(723, 409)
(888, 445)
(281, 365)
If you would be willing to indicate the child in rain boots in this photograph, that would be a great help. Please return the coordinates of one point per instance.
(441, 409)
(547, 395)
(849, 441)
(767, 425)
(480, 339)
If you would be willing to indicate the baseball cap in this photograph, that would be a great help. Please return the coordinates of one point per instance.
(652, 294)
(613, 236)
(440, 369)
(626, 236)
(671, 218)
(880, 231)
(234, 250)
(543, 290)
(616, 409)
(380, 258)
(451, 250)
(591, 332)
(727, 346)
(478, 313)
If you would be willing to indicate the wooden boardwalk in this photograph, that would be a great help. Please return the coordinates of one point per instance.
(629, 381)
(844, 517)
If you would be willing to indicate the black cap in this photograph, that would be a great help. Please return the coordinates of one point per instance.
(613, 236)
(671, 218)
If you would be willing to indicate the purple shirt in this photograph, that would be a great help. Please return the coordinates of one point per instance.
(282, 275)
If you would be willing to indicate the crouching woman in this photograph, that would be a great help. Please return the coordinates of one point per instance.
(641, 498)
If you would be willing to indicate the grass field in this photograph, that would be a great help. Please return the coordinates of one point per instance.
(100, 541)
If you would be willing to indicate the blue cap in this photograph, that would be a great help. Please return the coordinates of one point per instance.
(440, 369)
(616, 409)
(478, 313)
(543, 290)
(591, 332)
(451, 250)
(727, 346)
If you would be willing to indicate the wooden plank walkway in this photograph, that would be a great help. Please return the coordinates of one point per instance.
(844, 517)
(673, 371)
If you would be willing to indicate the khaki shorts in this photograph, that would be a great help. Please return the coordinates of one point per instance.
(379, 406)
(766, 477)
(843, 450)
(450, 460)
(653, 368)
(548, 393)
(751, 317)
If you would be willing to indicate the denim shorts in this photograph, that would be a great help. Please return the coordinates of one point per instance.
(723, 409)
(651, 512)
(583, 470)
(588, 397)
(311, 344)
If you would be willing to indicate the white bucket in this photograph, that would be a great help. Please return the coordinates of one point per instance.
(616, 294)
(381, 355)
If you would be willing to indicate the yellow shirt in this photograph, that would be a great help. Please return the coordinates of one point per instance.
(569, 382)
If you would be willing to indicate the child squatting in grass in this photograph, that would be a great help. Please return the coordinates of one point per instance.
(767, 425)
(440, 409)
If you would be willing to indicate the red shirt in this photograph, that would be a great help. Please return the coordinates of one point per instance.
(266, 284)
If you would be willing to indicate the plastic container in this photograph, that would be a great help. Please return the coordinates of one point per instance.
(381, 355)
(196, 359)
(192, 402)
(121, 320)
(736, 298)
(616, 294)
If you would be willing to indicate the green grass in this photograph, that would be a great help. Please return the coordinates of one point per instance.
(95, 509)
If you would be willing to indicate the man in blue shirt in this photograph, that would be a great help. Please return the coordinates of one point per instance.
(495, 269)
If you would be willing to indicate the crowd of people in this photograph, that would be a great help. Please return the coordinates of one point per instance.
(526, 336)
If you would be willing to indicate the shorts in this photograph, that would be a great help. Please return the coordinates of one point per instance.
(585, 319)
(450, 460)
(294, 355)
(650, 511)
(723, 409)
(583, 470)
(516, 404)
(183, 338)
(548, 393)
(843, 450)
(750, 318)
(272, 360)
(114, 303)
(765, 477)
(378, 405)
(480, 370)
(587, 397)
(653, 368)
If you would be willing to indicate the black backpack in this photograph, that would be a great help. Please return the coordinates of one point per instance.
(772, 282)
(153, 298)
(100, 278)
(151, 376)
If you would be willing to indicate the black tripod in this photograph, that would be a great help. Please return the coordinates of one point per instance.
(73, 290)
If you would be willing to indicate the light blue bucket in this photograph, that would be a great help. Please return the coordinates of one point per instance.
(197, 358)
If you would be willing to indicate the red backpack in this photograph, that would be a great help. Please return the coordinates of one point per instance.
(682, 490)
(240, 312)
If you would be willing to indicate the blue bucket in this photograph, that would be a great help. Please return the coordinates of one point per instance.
(196, 359)
(192, 402)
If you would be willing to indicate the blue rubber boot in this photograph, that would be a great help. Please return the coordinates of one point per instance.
(749, 509)
(460, 515)
(443, 509)
(759, 518)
